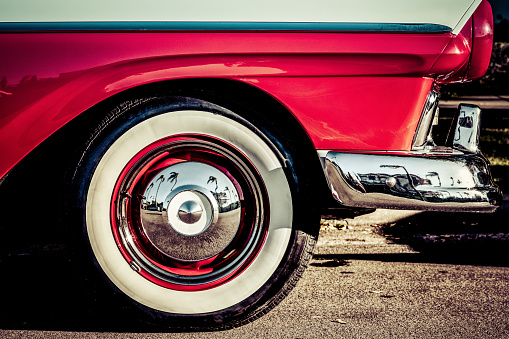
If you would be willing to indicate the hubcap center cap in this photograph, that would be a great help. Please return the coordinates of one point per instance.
(190, 212)
(193, 214)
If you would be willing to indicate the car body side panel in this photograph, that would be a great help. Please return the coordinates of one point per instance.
(47, 79)
(350, 113)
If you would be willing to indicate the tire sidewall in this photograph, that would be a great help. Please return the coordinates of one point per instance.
(115, 125)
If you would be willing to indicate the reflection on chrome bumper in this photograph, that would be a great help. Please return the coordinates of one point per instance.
(446, 181)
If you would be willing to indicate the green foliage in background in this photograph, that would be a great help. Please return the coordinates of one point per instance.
(494, 143)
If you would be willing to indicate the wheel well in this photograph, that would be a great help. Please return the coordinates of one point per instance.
(261, 109)
(271, 117)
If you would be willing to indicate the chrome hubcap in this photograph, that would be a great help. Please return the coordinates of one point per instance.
(191, 210)
(188, 213)
(194, 212)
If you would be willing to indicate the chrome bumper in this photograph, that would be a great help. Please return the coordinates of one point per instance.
(432, 178)
(453, 181)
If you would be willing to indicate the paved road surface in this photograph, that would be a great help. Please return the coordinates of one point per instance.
(359, 285)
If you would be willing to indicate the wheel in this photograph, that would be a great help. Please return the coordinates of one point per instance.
(188, 212)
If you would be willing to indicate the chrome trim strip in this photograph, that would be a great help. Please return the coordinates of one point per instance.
(422, 137)
(454, 181)
(222, 26)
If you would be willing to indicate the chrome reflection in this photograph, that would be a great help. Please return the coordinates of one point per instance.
(190, 211)
(449, 181)
(468, 127)
(429, 117)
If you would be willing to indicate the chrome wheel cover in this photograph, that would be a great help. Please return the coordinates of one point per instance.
(189, 212)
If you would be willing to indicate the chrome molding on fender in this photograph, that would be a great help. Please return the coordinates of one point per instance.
(429, 115)
(453, 181)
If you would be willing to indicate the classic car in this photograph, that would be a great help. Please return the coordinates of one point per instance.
(187, 149)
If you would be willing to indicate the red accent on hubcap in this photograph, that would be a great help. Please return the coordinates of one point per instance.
(155, 265)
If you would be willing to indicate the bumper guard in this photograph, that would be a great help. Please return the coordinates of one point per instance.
(437, 179)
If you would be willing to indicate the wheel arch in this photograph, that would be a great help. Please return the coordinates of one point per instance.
(259, 108)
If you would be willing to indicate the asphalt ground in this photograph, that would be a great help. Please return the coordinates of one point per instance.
(380, 281)
(382, 275)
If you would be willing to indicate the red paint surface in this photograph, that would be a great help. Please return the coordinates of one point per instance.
(467, 56)
(453, 63)
(483, 41)
(348, 90)
(354, 113)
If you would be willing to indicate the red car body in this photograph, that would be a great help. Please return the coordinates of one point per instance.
(330, 82)
(283, 115)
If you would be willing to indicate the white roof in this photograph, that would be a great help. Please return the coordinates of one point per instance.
(450, 13)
